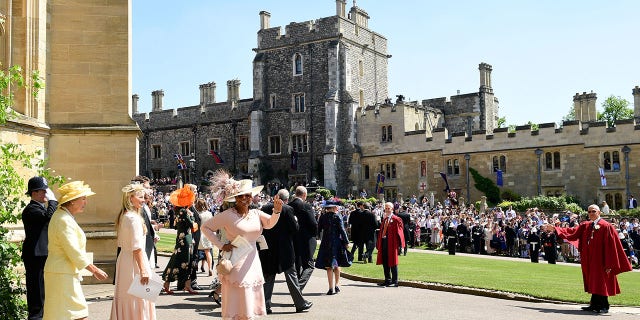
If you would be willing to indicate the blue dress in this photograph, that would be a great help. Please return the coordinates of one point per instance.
(333, 248)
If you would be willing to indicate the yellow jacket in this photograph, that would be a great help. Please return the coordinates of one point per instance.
(67, 245)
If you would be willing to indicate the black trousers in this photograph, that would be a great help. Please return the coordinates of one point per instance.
(291, 276)
(370, 245)
(599, 302)
(360, 246)
(390, 273)
(34, 273)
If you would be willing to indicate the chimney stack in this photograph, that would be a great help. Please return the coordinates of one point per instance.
(636, 102)
(264, 20)
(134, 103)
(584, 107)
(341, 8)
(207, 93)
(156, 100)
(233, 92)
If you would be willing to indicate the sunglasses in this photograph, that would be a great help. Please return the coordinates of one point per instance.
(592, 211)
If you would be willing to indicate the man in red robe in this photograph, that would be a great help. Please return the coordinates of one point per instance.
(602, 257)
(390, 238)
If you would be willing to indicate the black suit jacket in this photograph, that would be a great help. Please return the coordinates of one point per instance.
(369, 226)
(35, 218)
(305, 242)
(281, 253)
(149, 244)
(355, 220)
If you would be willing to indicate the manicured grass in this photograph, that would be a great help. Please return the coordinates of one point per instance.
(542, 280)
(166, 243)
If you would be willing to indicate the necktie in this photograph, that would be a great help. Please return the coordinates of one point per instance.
(384, 230)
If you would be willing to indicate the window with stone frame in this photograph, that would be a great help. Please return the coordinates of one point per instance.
(272, 100)
(360, 68)
(365, 171)
(243, 143)
(185, 149)
(298, 102)
(552, 160)
(388, 170)
(156, 174)
(499, 163)
(390, 193)
(611, 160)
(299, 143)
(157, 151)
(614, 200)
(387, 133)
(297, 64)
(214, 145)
(274, 145)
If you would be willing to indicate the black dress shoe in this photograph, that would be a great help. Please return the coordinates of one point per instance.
(589, 308)
(307, 305)
(330, 292)
(384, 284)
(394, 284)
(269, 311)
(604, 310)
(336, 289)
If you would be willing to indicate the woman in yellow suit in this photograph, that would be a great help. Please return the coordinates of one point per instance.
(67, 256)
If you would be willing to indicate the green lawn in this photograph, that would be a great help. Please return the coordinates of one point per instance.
(542, 280)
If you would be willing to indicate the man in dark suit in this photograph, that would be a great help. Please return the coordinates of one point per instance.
(369, 224)
(35, 218)
(305, 240)
(406, 219)
(632, 202)
(280, 255)
(355, 221)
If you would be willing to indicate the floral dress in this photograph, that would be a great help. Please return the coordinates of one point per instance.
(179, 266)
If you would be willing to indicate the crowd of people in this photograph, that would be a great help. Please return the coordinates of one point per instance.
(265, 233)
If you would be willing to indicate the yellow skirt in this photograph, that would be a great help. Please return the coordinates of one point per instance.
(63, 297)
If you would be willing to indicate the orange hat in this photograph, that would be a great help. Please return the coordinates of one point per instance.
(183, 197)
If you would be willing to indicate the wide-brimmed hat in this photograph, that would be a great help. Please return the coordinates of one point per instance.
(36, 183)
(244, 186)
(74, 190)
(183, 197)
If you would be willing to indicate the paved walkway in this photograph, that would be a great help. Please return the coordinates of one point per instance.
(362, 299)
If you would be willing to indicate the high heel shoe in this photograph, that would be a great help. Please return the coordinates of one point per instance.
(190, 290)
(166, 289)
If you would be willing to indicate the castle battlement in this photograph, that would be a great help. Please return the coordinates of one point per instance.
(295, 32)
(193, 115)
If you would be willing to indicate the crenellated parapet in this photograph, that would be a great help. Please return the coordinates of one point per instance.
(312, 30)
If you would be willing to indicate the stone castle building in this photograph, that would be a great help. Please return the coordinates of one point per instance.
(320, 110)
(81, 119)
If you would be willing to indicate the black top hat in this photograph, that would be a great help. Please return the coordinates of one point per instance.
(35, 184)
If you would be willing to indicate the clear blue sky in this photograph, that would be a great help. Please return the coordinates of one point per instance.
(542, 52)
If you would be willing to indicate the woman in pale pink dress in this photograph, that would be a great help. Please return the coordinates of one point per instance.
(132, 259)
(242, 293)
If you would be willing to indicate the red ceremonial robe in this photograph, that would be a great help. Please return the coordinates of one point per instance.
(600, 249)
(395, 239)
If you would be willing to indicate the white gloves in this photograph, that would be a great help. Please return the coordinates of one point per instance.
(50, 196)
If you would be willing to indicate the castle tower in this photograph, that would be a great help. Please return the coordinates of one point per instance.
(636, 102)
(584, 107)
(134, 103)
(488, 110)
(307, 84)
(207, 93)
(156, 100)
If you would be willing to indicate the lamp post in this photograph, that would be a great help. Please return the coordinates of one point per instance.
(192, 171)
(467, 157)
(539, 154)
(626, 151)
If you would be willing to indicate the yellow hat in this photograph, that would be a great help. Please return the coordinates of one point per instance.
(74, 190)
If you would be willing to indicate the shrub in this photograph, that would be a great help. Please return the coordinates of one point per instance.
(486, 185)
(510, 195)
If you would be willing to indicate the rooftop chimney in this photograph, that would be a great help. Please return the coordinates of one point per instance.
(156, 100)
(207, 93)
(341, 8)
(233, 92)
(264, 20)
(134, 103)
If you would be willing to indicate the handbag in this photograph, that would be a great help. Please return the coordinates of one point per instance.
(194, 228)
(224, 265)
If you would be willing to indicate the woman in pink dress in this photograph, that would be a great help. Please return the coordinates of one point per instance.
(242, 293)
(132, 259)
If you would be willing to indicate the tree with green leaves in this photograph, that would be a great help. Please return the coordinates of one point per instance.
(15, 160)
(615, 108)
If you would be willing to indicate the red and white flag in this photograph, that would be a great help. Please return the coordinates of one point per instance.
(603, 179)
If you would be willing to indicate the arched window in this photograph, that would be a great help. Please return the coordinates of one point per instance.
(366, 171)
(389, 134)
(556, 160)
(456, 166)
(552, 160)
(449, 166)
(393, 170)
(616, 161)
(384, 133)
(618, 201)
(297, 64)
